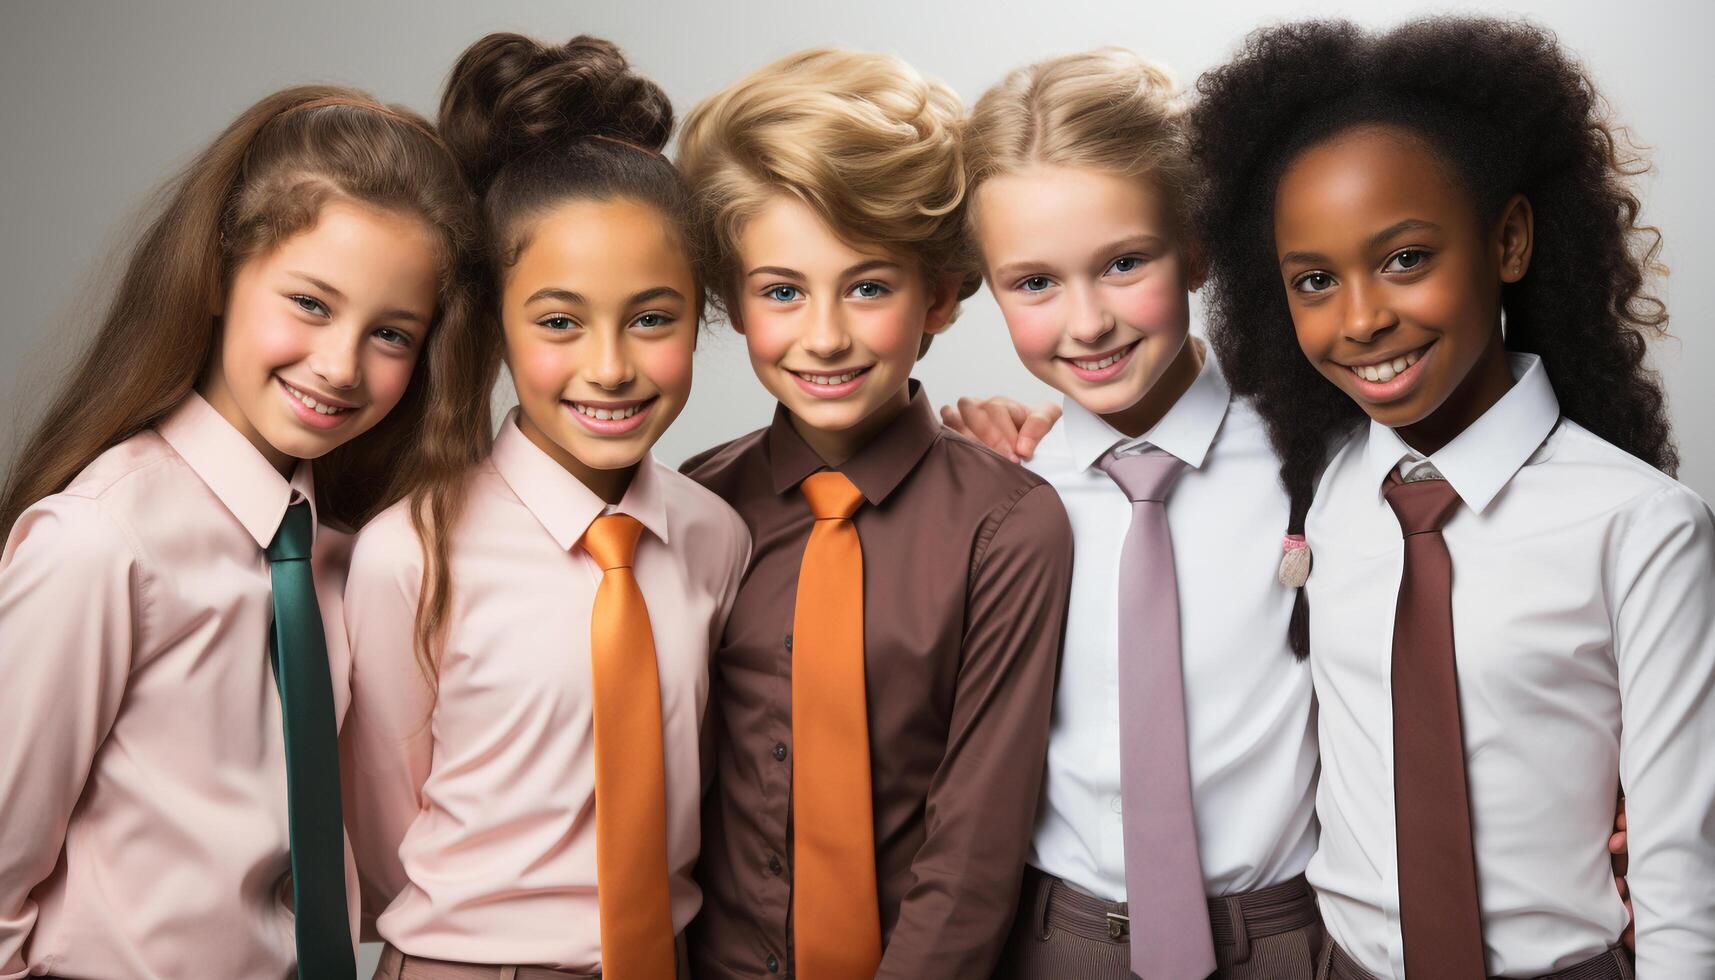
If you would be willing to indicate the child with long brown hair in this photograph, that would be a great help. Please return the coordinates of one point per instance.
(530, 629)
(281, 341)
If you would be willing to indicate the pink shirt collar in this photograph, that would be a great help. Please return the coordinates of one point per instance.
(559, 500)
(240, 477)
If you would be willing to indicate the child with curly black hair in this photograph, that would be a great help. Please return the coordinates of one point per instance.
(1513, 617)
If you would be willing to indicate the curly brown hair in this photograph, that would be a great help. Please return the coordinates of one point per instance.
(1509, 112)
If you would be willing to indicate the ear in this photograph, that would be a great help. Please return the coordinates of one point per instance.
(1515, 237)
(943, 300)
(1196, 269)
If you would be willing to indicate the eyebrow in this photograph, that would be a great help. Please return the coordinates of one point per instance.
(1130, 243)
(868, 266)
(659, 292)
(555, 292)
(1409, 224)
(396, 314)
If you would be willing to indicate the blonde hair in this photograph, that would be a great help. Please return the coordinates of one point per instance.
(862, 139)
(1108, 110)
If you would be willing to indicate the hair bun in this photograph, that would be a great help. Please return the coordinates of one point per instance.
(511, 96)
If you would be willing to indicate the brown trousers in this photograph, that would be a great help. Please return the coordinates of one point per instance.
(1273, 933)
(1615, 964)
(396, 965)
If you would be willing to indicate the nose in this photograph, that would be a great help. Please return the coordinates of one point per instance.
(337, 358)
(1367, 314)
(609, 365)
(1087, 320)
(826, 336)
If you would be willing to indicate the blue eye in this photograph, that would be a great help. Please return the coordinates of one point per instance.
(782, 293)
(1406, 260)
(651, 320)
(1035, 284)
(1313, 282)
(870, 289)
(558, 322)
(394, 338)
(309, 304)
(1125, 264)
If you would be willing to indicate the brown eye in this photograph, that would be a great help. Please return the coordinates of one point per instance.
(1406, 260)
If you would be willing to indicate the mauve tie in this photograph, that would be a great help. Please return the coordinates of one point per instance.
(1439, 921)
(1165, 897)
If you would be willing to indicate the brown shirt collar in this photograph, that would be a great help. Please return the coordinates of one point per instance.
(877, 469)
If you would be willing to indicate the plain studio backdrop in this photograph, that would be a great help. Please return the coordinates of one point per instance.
(100, 103)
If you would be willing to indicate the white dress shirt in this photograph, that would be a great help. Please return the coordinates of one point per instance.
(1582, 609)
(1248, 703)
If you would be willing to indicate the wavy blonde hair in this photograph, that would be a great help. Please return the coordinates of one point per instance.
(1108, 110)
(864, 140)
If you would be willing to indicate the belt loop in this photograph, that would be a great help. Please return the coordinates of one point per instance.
(1043, 895)
(1241, 929)
(1325, 962)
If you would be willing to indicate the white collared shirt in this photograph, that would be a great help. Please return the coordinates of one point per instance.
(1582, 607)
(1247, 701)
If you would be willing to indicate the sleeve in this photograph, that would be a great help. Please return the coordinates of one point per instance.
(387, 743)
(71, 592)
(1665, 649)
(982, 802)
(739, 554)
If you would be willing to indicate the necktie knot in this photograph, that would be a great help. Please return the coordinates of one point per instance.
(611, 540)
(1148, 475)
(1422, 506)
(831, 495)
(297, 531)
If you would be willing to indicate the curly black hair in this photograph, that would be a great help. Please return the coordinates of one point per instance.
(1509, 112)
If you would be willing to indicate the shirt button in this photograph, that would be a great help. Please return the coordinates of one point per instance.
(788, 642)
(773, 965)
(780, 751)
(774, 864)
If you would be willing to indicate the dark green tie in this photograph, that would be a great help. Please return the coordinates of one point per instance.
(298, 651)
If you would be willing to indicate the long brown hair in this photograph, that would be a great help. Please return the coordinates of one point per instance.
(532, 125)
(261, 181)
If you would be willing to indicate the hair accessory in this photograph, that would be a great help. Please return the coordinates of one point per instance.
(1294, 561)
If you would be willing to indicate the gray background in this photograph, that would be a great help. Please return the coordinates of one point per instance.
(99, 103)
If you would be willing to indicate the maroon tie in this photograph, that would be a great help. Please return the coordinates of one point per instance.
(1439, 921)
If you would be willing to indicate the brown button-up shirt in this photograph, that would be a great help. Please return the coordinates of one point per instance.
(967, 566)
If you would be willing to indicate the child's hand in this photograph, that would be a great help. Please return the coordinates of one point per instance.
(1005, 426)
(1617, 847)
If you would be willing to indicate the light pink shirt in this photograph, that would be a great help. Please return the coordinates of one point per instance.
(143, 828)
(473, 816)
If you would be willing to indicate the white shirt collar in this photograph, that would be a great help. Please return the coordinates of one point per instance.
(1187, 430)
(1480, 460)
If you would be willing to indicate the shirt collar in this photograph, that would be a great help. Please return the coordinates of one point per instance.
(1187, 430)
(1480, 460)
(560, 501)
(877, 469)
(241, 477)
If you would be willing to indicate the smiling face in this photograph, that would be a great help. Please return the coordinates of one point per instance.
(601, 322)
(1093, 285)
(833, 329)
(319, 335)
(1394, 280)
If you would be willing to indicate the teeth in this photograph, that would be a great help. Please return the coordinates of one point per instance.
(607, 414)
(1108, 361)
(1387, 370)
(829, 379)
(313, 405)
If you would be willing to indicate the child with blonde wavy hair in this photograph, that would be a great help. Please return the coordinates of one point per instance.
(881, 693)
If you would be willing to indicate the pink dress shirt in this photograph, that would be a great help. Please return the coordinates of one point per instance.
(473, 814)
(142, 768)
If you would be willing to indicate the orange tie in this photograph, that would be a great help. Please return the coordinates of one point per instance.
(836, 918)
(630, 776)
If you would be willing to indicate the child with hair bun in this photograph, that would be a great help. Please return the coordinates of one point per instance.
(1425, 260)
(530, 627)
(882, 688)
